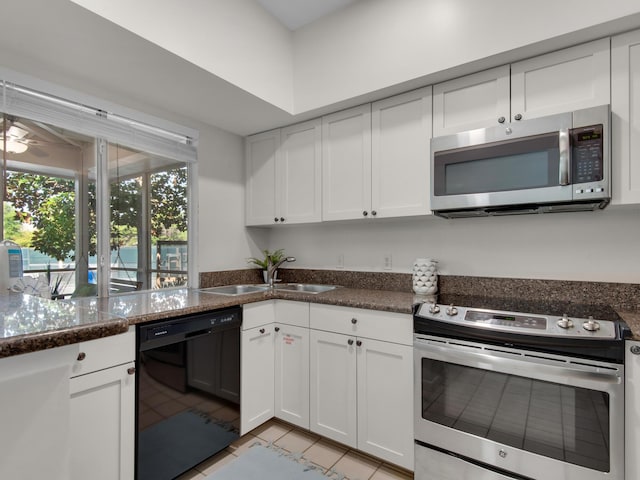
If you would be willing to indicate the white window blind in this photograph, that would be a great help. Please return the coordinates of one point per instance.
(28, 103)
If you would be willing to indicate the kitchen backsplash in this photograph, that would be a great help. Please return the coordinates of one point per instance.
(621, 296)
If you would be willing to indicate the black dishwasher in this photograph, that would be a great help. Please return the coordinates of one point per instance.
(187, 391)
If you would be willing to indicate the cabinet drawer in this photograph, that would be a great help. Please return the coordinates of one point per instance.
(105, 353)
(379, 325)
(257, 314)
(292, 313)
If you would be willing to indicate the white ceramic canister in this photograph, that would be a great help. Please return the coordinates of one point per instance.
(425, 276)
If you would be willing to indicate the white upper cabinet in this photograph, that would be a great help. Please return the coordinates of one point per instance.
(299, 174)
(284, 175)
(346, 164)
(260, 156)
(561, 81)
(400, 141)
(475, 101)
(625, 109)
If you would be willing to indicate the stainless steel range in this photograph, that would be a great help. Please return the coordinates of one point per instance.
(506, 389)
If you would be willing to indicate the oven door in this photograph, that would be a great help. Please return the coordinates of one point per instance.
(516, 414)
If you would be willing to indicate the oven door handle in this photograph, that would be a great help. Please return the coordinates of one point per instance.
(522, 363)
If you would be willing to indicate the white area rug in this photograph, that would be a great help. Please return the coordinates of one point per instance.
(270, 463)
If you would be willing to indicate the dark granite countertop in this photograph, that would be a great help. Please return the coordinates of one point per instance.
(163, 304)
(633, 320)
(31, 323)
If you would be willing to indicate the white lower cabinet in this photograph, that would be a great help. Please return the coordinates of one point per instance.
(274, 363)
(292, 373)
(333, 386)
(102, 417)
(632, 410)
(385, 395)
(362, 387)
(34, 414)
(256, 377)
(102, 424)
(344, 373)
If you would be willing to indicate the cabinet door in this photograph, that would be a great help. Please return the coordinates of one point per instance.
(35, 414)
(333, 386)
(562, 81)
(299, 173)
(625, 121)
(102, 424)
(257, 377)
(400, 135)
(470, 102)
(632, 410)
(292, 374)
(385, 401)
(346, 164)
(260, 159)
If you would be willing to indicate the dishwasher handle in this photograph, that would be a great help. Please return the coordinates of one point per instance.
(187, 328)
(198, 334)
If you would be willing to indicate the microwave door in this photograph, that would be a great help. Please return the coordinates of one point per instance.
(534, 170)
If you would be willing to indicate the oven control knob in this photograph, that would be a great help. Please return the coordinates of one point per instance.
(434, 308)
(452, 311)
(591, 325)
(565, 322)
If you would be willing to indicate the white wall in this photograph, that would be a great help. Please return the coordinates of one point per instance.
(590, 246)
(236, 40)
(224, 243)
(375, 44)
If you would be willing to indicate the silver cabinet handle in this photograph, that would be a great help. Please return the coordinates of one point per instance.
(635, 349)
(518, 116)
(354, 320)
(277, 329)
(82, 356)
(365, 213)
(282, 219)
(350, 341)
(261, 330)
(374, 213)
(276, 219)
(359, 343)
(501, 120)
(131, 370)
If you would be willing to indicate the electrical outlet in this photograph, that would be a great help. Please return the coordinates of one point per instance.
(387, 261)
(340, 261)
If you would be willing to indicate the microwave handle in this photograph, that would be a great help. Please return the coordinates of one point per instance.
(563, 144)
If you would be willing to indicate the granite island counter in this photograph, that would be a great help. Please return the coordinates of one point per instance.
(31, 323)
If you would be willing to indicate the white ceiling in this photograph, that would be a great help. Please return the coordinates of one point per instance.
(297, 13)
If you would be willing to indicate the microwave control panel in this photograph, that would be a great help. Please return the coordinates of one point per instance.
(587, 154)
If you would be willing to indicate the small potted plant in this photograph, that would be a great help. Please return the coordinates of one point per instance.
(270, 258)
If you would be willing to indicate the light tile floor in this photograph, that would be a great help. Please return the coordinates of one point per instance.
(329, 456)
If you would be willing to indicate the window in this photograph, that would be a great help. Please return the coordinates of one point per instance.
(82, 186)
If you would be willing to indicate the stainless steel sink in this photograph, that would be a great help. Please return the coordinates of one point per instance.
(304, 287)
(236, 289)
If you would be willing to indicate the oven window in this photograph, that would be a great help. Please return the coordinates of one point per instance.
(558, 421)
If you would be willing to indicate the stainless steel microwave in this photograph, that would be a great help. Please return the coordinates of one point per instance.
(558, 163)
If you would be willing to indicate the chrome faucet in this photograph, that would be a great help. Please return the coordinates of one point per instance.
(272, 268)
